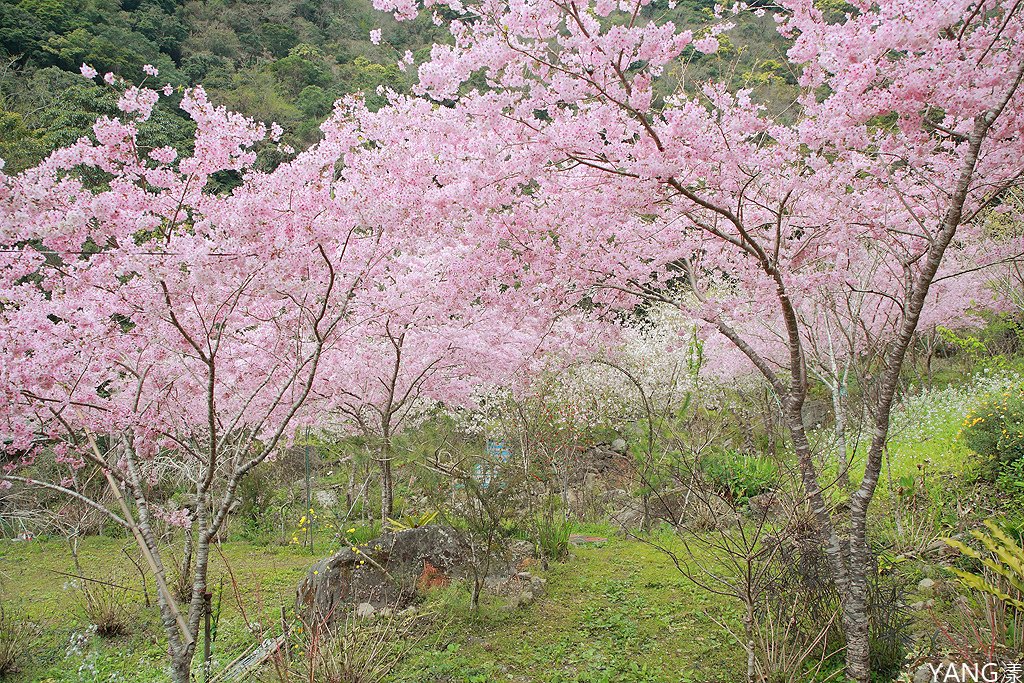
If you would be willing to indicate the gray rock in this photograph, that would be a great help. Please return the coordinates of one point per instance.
(628, 518)
(617, 498)
(619, 445)
(923, 674)
(926, 585)
(768, 505)
(381, 573)
(365, 609)
(519, 551)
(523, 599)
(495, 584)
(727, 521)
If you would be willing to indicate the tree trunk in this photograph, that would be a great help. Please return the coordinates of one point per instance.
(387, 486)
(843, 456)
(181, 667)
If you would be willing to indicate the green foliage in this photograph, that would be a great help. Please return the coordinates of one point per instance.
(1011, 479)
(278, 39)
(293, 73)
(362, 534)
(411, 521)
(1003, 557)
(995, 428)
(314, 102)
(739, 476)
(553, 539)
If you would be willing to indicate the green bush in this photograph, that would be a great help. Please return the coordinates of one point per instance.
(553, 539)
(995, 428)
(738, 476)
(1011, 479)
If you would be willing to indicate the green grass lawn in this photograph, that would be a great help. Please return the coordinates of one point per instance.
(32, 577)
(615, 612)
(618, 611)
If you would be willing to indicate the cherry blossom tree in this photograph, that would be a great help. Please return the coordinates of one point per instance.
(462, 318)
(908, 126)
(151, 326)
(156, 327)
(411, 360)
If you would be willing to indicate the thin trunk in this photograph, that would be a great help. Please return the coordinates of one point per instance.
(387, 486)
(837, 387)
(842, 453)
(748, 631)
(180, 651)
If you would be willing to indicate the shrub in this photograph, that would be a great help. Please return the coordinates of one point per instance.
(358, 534)
(106, 606)
(738, 476)
(889, 626)
(358, 650)
(553, 539)
(411, 520)
(16, 637)
(995, 428)
(1011, 479)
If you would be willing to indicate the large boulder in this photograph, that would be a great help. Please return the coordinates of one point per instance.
(383, 573)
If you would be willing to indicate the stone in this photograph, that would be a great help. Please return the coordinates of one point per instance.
(383, 572)
(582, 539)
(495, 584)
(628, 518)
(521, 600)
(619, 445)
(365, 609)
(727, 521)
(431, 577)
(617, 498)
(924, 674)
(926, 585)
(390, 571)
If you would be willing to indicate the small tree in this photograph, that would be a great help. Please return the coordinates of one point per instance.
(154, 331)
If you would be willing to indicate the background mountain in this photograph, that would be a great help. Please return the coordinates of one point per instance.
(275, 61)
